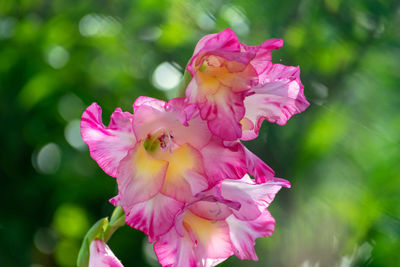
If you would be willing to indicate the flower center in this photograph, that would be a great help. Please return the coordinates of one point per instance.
(160, 140)
(210, 73)
(215, 73)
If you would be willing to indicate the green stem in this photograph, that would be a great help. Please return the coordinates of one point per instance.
(103, 229)
(181, 87)
(117, 220)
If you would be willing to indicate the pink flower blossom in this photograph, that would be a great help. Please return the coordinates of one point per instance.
(162, 159)
(102, 256)
(181, 168)
(226, 221)
(236, 87)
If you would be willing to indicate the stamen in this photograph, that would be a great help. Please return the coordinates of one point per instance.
(163, 141)
(203, 66)
(159, 140)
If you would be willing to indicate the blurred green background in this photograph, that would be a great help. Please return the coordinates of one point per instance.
(341, 155)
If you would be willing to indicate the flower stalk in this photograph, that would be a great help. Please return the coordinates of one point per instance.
(103, 229)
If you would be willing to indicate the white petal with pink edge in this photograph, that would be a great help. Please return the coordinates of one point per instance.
(262, 53)
(211, 210)
(202, 242)
(223, 161)
(154, 217)
(277, 98)
(244, 233)
(223, 112)
(210, 238)
(184, 177)
(102, 256)
(173, 250)
(140, 176)
(251, 195)
(107, 145)
(257, 168)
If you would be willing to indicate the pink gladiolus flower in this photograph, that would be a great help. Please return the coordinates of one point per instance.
(158, 156)
(181, 168)
(102, 256)
(236, 87)
(226, 221)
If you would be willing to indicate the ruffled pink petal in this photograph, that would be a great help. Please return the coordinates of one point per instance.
(197, 181)
(102, 256)
(223, 162)
(219, 113)
(195, 132)
(257, 168)
(152, 115)
(184, 112)
(218, 206)
(262, 53)
(173, 250)
(212, 262)
(184, 177)
(199, 242)
(251, 195)
(211, 210)
(107, 145)
(154, 217)
(223, 112)
(279, 96)
(148, 101)
(244, 233)
(224, 41)
(140, 176)
(211, 238)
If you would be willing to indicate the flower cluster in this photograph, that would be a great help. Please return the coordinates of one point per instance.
(182, 171)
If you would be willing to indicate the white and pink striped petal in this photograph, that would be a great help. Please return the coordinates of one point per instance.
(153, 217)
(102, 256)
(244, 233)
(257, 168)
(107, 145)
(223, 161)
(173, 250)
(250, 195)
(202, 243)
(140, 176)
(277, 98)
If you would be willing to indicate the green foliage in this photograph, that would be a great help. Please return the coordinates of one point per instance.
(341, 155)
